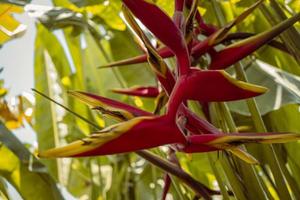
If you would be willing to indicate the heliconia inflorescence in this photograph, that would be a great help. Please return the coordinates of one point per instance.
(178, 127)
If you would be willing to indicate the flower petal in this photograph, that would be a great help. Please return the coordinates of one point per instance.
(136, 134)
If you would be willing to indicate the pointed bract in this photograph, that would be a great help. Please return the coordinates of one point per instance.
(239, 50)
(216, 86)
(243, 155)
(223, 32)
(164, 52)
(139, 91)
(211, 86)
(222, 141)
(116, 109)
(136, 134)
(166, 31)
(156, 62)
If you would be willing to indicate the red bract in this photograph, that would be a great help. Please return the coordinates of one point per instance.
(179, 126)
(237, 51)
(135, 134)
(139, 91)
(163, 52)
(110, 107)
(163, 28)
(207, 86)
(212, 142)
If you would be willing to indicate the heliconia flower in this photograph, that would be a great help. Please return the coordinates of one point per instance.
(113, 108)
(139, 91)
(179, 127)
(195, 80)
(160, 101)
(239, 50)
(149, 132)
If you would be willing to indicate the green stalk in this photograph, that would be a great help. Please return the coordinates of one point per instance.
(288, 176)
(178, 190)
(292, 34)
(221, 183)
(154, 178)
(97, 37)
(248, 173)
(101, 185)
(94, 190)
(176, 171)
(238, 187)
(271, 156)
(68, 109)
(260, 127)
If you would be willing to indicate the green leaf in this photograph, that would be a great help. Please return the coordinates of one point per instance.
(284, 88)
(56, 52)
(283, 120)
(45, 113)
(23, 171)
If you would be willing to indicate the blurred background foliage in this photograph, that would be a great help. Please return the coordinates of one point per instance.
(73, 38)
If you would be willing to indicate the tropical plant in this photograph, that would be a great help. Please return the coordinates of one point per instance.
(177, 119)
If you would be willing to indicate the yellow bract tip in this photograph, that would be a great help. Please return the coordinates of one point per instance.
(244, 85)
